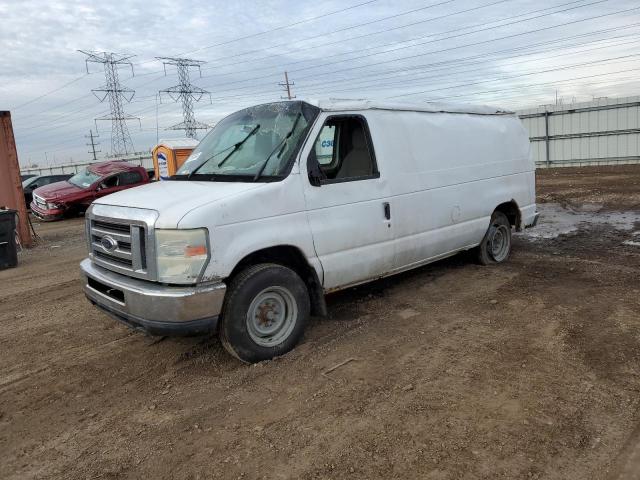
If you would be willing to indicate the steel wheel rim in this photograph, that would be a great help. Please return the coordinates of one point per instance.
(499, 243)
(272, 316)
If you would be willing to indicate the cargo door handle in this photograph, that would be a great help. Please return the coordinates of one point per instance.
(387, 210)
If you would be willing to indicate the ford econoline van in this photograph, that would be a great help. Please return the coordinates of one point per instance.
(284, 202)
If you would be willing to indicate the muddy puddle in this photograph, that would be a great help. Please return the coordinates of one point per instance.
(556, 220)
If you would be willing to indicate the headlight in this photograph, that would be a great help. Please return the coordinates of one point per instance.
(182, 255)
(53, 206)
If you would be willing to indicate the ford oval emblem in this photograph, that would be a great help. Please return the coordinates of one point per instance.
(108, 243)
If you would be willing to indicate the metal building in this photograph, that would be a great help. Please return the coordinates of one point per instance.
(602, 132)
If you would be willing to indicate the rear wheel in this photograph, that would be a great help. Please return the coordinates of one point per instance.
(496, 244)
(265, 313)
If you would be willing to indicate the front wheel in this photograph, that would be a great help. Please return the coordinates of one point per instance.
(265, 313)
(496, 244)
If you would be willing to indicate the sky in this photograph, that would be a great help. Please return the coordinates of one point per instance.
(511, 53)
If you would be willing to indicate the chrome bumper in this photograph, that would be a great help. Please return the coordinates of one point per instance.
(152, 307)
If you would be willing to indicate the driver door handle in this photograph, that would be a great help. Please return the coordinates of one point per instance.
(387, 210)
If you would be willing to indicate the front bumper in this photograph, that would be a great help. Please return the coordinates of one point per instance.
(46, 215)
(152, 307)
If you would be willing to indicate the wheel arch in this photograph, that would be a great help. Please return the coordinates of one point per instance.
(512, 212)
(293, 258)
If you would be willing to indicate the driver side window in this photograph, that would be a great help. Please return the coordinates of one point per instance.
(343, 150)
(110, 182)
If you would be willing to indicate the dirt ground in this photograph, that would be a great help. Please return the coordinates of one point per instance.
(526, 370)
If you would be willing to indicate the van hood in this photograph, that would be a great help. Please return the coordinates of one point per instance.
(173, 199)
(57, 190)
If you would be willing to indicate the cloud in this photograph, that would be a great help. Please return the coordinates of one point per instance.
(466, 50)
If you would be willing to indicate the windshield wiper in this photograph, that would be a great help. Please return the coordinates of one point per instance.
(281, 145)
(238, 145)
(235, 147)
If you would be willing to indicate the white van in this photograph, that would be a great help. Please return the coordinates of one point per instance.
(284, 202)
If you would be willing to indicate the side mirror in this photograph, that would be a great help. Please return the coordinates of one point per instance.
(316, 175)
(315, 180)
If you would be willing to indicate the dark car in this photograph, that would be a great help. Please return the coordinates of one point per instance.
(26, 175)
(73, 196)
(30, 184)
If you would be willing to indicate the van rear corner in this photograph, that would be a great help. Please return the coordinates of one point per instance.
(530, 216)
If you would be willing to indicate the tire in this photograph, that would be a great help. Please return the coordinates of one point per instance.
(496, 244)
(265, 313)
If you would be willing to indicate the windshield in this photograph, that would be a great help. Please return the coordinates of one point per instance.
(240, 144)
(29, 181)
(84, 179)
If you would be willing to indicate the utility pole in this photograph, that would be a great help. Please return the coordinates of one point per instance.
(121, 143)
(93, 144)
(287, 87)
(186, 93)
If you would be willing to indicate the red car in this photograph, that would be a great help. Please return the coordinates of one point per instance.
(73, 196)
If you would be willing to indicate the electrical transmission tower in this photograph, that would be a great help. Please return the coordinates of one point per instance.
(186, 93)
(93, 144)
(287, 87)
(121, 143)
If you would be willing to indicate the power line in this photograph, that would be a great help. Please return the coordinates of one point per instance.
(282, 27)
(485, 80)
(288, 44)
(253, 94)
(473, 94)
(456, 61)
(510, 77)
(300, 22)
(552, 82)
(359, 88)
(465, 34)
(17, 107)
(345, 41)
(410, 57)
(351, 27)
(46, 122)
(387, 30)
(395, 73)
(459, 63)
(64, 104)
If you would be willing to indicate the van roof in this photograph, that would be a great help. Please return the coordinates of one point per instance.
(338, 104)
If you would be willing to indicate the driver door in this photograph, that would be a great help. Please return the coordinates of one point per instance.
(348, 203)
(107, 186)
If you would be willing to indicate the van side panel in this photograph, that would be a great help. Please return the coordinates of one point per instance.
(448, 173)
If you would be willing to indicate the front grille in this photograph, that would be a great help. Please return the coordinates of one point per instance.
(113, 259)
(114, 227)
(119, 246)
(122, 239)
